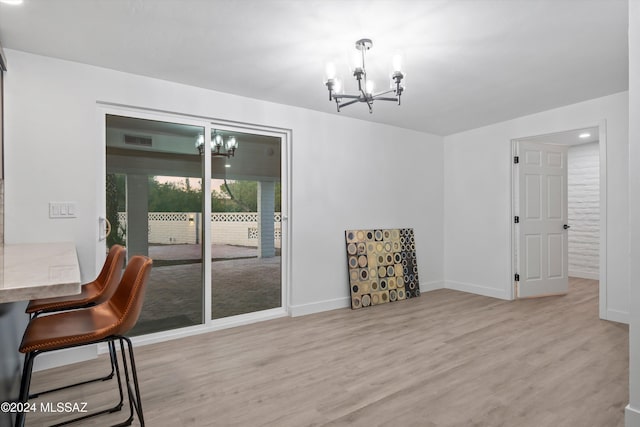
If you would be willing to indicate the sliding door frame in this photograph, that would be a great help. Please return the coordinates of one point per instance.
(208, 123)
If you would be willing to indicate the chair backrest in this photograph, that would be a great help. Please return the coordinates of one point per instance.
(109, 277)
(127, 300)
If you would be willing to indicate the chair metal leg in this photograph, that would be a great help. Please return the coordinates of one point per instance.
(94, 380)
(137, 403)
(133, 393)
(114, 363)
(118, 406)
(25, 382)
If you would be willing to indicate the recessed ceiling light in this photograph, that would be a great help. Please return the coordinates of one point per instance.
(227, 166)
(584, 135)
(13, 2)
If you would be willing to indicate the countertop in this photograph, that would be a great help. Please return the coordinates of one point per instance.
(38, 270)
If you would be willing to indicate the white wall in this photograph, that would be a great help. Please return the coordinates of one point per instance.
(367, 175)
(583, 206)
(478, 198)
(632, 413)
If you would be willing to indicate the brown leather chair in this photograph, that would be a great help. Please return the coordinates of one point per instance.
(92, 293)
(106, 322)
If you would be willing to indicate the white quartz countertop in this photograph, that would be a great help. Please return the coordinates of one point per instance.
(38, 270)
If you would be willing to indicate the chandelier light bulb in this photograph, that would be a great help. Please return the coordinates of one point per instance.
(337, 86)
(232, 143)
(370, 86)
(329, 71)
(397, 63)
(200, 141)
(217, 140)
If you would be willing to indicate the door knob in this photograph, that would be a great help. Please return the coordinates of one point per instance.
(566, 226)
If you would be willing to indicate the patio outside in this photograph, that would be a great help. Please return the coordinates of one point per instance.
(241, 282)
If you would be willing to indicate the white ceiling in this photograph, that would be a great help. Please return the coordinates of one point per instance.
(570, 137)
(468, 63)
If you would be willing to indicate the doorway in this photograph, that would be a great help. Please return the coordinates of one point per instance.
(585, 201)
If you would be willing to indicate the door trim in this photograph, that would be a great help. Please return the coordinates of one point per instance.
(602, 299)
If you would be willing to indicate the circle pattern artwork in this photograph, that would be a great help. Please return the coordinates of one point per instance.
(382, 271)
(354, 275)
(362, 248)
(366, 300)
(382, 266)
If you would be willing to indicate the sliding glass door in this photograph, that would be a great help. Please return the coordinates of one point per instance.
(246, 226)
(154, 204)
(159, 205)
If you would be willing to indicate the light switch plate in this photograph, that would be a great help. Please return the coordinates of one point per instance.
(62, 209)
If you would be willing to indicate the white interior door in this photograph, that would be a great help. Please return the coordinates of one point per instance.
(541, 229)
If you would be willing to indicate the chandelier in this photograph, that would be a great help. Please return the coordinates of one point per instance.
(219, 146)
(365, 85)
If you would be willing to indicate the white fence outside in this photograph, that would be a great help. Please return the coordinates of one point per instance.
(231, 228)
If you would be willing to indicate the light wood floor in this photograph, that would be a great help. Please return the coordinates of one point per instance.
(446, 358)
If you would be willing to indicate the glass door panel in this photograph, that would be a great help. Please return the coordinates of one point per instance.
(154, 204)
(246, 225)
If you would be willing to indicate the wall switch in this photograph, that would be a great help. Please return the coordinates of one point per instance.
(62, 209)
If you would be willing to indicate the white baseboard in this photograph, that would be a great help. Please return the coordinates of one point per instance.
(64, 357)
(215, 325)
(584, 275)
(618, 316)
(477, 289)
(317, 307)
(431, 286)
(631, 417)
(336, 303)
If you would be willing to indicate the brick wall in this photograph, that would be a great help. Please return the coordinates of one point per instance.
(584, 210)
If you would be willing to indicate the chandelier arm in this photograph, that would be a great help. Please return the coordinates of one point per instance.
(375, 95)
(347, 96)
(385, 98)
(369, 101)
(344, 104)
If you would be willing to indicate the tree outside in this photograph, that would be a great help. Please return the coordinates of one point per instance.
(181, 196)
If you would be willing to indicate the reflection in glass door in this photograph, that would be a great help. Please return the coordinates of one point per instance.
(154, 203)
(246, 225)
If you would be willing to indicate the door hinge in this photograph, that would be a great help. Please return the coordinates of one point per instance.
(516, 219)
(516, 160)
(517, 277)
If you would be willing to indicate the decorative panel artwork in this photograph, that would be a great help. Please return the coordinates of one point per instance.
(382, 266)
